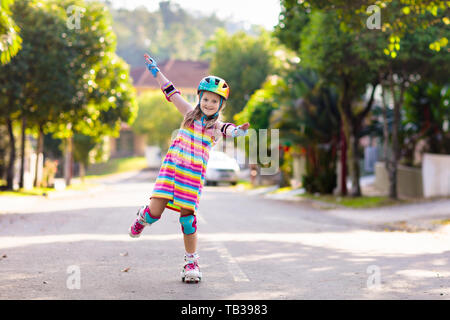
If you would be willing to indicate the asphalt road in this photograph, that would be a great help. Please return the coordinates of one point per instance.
(76, 246)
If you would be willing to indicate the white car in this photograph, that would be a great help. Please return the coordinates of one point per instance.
(153, 155)
(221, 168)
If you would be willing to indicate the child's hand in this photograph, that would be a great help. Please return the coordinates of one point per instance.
(241, 130)
(151, 65)
(244, 126)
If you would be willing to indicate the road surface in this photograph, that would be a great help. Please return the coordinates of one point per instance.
(76, 246)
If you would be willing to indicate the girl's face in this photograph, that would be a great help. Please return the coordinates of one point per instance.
(210, 103)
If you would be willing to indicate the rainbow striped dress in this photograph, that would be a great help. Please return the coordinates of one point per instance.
(182, 172)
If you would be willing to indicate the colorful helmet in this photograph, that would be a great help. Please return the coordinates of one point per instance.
(216, 85)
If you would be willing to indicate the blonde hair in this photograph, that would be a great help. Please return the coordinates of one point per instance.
(197, 114)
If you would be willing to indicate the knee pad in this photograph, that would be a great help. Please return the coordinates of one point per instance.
(148, 216)
(188, 224)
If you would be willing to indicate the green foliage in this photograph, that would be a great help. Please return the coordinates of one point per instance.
(67, 80)
(426, 117)
(10, 40)
(308, 117)
(321, 181)
(82, 146)
(397, 17)
(157, 119)
(244, 62)
(259, 109)
(261, 104)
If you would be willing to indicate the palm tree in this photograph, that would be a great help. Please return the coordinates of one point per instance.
(310, 118)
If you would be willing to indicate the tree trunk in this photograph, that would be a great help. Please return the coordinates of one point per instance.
(392, 175)
(343, 181)
(395, 137)
(354, 162)
(82, 171)
(343, 107)
(68, 161)
(22, 153)
(40, 149)
(12, 156)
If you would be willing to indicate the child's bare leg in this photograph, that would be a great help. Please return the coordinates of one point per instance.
(157, 206)
(147, 215)
(190, 240)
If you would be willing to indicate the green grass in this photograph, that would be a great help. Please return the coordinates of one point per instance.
(45, 191)
(281, 190)
(442, 222)
(247, 185)
(244, 184)
(22, 192)
(96, 170)
(117, 165)
(354, 202)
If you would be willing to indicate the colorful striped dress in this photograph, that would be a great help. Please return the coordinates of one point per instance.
(182, 172)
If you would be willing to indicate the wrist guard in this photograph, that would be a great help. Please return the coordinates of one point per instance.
(238, 132)
(152, 67)
(169, 90)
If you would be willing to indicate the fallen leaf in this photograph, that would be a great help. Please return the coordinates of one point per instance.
(125, 270)
(124, 254)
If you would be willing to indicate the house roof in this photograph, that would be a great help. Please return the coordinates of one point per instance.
(183, 73)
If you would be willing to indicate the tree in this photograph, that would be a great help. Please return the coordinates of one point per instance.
(415, 60)
(244, 62)
(396, 17)
(258, 111)
(403, 21)
(104, 94)
(10, 40)
(309, 117)
(426, 112)
(65, 80)
(157, 119)
(343, 59)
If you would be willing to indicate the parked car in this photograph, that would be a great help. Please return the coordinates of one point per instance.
(221, 168)
(153, 155)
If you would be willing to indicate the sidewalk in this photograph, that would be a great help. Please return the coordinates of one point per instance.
(425, 215)
(25, 203)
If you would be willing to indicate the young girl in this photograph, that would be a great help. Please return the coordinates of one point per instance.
(182, 174)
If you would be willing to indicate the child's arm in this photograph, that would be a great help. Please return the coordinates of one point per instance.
(171, 93)
(231, 130)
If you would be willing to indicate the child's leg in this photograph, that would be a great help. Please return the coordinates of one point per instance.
(147, 215)
(157, 206)
(190, 238)
(191, 270)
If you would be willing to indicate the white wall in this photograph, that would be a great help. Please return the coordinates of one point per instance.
(436, 175)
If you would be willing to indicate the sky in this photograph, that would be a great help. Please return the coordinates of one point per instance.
(262, 12)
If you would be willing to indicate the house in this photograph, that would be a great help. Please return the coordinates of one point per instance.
(185, 75)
